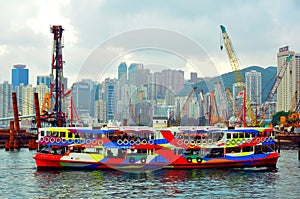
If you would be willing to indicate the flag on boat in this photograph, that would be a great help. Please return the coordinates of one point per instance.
(240, 94)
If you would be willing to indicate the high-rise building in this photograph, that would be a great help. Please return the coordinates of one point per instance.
(41, 90)
(109, 97)
(194, 77)
(169, 79)
(43, 79)
(19, 75)
(5, 101)
(81, 95)
(290, 81)
(122, 73)
(136, 74)
(28, 103)
(100, 110)
(253, 87)
(19, 91)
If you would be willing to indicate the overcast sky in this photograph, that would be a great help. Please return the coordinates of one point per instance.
(161, 34)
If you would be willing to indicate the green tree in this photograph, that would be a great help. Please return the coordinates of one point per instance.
(276, 117)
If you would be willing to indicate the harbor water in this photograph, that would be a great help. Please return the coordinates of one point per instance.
(20, 179)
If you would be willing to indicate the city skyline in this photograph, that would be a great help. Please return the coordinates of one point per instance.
(27, 39)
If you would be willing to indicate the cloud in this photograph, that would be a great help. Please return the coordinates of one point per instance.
(257, 29)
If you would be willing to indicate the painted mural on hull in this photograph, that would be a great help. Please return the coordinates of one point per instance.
(144, 148)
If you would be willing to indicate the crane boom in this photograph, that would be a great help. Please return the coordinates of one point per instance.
(232, 55)
(234, 61)
(178, 118)
(235, 109)
(279, 77)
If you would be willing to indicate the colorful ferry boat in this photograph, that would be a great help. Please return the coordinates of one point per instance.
(140, 148)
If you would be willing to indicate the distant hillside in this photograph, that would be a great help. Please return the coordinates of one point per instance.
(268, 78)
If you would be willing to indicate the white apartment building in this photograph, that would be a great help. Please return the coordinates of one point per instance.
(290, 81)
(253, 87)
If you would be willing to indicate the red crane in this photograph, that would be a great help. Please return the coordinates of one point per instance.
(57, 86)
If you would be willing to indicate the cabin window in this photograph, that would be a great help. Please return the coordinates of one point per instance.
(259, 134)
(49, 133)
(70, 135)
(55, 133)
(272, 147)
(215, 152)
(99, 150)
(247, 135)
(42, 133)
(233, 150)
(247, 149)
(62, 134)
(235, 135)
(228, 135)
(252, 134)
(241, 135)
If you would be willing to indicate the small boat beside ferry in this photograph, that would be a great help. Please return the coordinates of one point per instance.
(146, 148)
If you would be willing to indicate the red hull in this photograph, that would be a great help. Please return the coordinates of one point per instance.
(44, 161)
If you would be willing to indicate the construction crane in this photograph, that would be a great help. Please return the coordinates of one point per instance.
(235, 109)
(272, 92)
(52, 105)
(234, 61)
(178, 118)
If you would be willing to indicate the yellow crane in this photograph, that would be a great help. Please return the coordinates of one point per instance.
(234, 61)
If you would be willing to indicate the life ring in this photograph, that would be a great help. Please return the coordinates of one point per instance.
(52, 139)
(186, 142)
(70, 141)
(58, 140)
(180, 142)
(243, 141)
(210, 141)
(180, 137)
(131, 142)
(233, 142)
(203, 142)
(77, 141)
(198, 142)
(88, 141)
(258, 140)
(82, 141)
(125, 142)
(143, 160)
(192, 142)
(42, 139)
(119, 142)
(100, 142)
(46, 139)
(94, 142)
(189, 160)
(64, 141)
(131, 160)
(199, 160)
(144, 141)
(151, 142)
(137, 142)
(263, 139)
